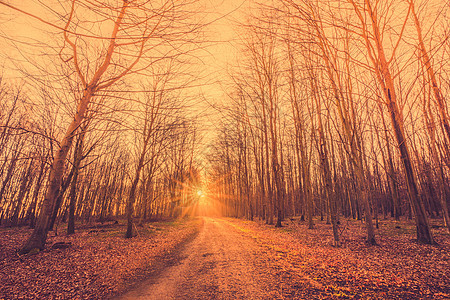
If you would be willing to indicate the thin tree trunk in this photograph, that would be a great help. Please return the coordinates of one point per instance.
(326, 172)
(59, 199)
(32, 209)
(385, 79)
(22, 190)
(73, 185)
(431, 128)
(39, 235)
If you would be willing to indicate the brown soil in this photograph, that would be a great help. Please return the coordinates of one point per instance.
(236, 259)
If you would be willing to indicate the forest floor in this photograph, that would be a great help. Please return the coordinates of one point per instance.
(237, 259)
(98, 263)
(223, 258)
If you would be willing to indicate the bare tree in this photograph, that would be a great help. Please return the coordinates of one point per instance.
(372, 35)
(102, 61)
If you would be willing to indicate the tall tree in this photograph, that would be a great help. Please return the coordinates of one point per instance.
(101, 61)
(372, 34)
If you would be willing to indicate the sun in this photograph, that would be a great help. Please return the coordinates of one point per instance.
(200, 193)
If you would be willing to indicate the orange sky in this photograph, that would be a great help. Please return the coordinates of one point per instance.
(223, 12)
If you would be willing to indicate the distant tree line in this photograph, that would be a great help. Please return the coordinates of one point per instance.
(100, 167)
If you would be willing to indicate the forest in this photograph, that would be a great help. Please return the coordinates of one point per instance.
(331, 119)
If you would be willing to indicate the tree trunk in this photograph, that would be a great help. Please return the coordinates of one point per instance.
(22, 190)
(383, 74)
(59, 199)
(32, 208)
(39, 235)
(73, 185)
(422, 226)
(132, 195)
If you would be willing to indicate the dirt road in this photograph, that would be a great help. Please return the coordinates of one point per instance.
(220, 263)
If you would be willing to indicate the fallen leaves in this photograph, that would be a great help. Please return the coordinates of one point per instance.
(87, 265)
(297, 262)
(398, 268)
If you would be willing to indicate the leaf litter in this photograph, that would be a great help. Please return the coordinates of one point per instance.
(299, 263)
(96, 264)
(397, 268)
